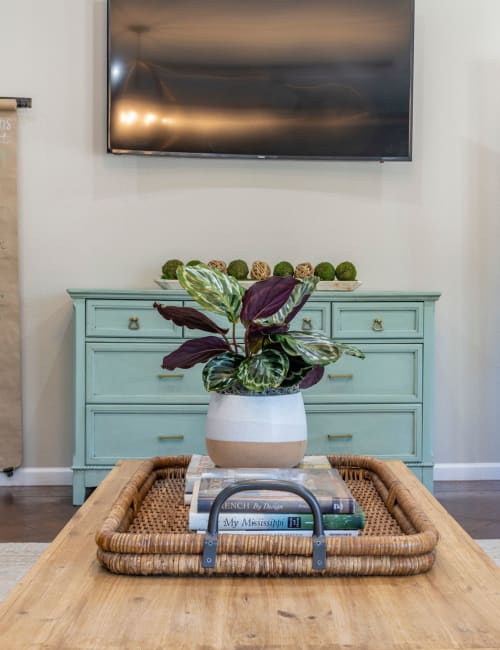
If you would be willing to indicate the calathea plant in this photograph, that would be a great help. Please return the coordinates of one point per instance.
(270, 357)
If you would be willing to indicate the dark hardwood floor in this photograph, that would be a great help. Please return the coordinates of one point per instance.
(474, 504)
(34, 514)
(37, 514)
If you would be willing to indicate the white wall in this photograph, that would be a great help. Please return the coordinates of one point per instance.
(88, 219)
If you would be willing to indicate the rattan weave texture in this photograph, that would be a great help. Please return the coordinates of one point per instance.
(146, 530)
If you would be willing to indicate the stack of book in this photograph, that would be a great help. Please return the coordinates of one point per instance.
(268, 511)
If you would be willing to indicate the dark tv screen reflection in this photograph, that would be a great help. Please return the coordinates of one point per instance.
(326, 79)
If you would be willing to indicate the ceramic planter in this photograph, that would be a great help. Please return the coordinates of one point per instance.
(256, 431)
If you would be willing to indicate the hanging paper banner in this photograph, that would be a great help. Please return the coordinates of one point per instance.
(10, 356)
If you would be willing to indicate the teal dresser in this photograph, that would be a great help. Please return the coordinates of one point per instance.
(127, 406)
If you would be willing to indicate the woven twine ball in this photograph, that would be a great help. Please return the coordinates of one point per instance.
(304, 270)
(260, 271)
(218, 265)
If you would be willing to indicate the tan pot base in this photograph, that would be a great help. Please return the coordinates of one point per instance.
(256, 454)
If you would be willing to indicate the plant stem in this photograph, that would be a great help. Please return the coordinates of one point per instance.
(234, 339)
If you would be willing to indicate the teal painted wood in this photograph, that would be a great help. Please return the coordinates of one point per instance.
(378, 321)
(123, 409)
(389, 431)
(117, 432)
(79, 398)
(390, 372)
(314, 316)
(130, 372)
(428, 394)
(129, 318)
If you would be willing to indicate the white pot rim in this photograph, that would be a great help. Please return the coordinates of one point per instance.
(263, 418)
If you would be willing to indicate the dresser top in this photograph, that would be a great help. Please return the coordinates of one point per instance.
(179, 294)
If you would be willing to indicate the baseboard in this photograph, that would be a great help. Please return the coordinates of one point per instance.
(467, 472)
(38, 476)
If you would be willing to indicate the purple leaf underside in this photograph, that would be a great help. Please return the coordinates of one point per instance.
(313, 376)
(195, 351)
(265, 298)
(189, 317)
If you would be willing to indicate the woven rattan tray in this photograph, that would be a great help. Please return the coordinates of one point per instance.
(146, 530)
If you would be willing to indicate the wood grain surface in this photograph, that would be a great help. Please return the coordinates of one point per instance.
(68, 601)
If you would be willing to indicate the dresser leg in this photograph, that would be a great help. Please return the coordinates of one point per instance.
(79, 489)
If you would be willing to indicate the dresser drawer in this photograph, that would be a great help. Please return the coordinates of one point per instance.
(390, 372)
(392, 431)
(314, 316)
(129, 318)
(114, 433)
(368, 320)
(131, 372)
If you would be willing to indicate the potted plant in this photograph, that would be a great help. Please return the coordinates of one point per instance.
(256, 415)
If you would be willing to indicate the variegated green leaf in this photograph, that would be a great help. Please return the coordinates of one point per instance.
(262, 371)
(297, 370)
(221, 371)
(314, 347)
(299, 296)
(351, 350)
(212, 289)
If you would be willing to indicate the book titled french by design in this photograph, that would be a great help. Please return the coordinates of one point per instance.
(327, 485)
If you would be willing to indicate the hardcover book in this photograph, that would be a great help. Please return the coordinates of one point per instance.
(250, 522)
(327, 485)
(300, 533)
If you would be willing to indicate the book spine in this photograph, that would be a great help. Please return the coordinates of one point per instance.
(302, 533)
(277, 506)
(250, 522)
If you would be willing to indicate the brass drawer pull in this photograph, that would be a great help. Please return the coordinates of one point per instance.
(307, 324)
(133, 323)
(177, 437)
(172, 375)
(339, 436)
(341, 376)
(378, 325)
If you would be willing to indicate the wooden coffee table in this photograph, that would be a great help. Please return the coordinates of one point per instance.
(67, 601)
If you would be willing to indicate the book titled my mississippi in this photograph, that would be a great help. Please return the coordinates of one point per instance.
(273, 522)
(327, 485)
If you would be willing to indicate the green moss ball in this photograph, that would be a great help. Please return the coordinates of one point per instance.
(325, 271)
(346, 271)
(193, 263)
(238, 269)
(282, 269)
(168, 270)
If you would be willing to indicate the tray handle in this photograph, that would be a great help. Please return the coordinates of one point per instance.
(210, 543)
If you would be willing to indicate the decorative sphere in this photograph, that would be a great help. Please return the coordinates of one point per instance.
(260, 270)
(168, 270)
(346, 271)
(304, 270)
(282, 269)
(325, 271)
(218, 265)
(238, 269)
(193, 263)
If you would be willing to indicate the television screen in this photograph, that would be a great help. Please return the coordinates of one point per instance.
(326, 79)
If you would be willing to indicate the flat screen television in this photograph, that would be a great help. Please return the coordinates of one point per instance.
(315, 79)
